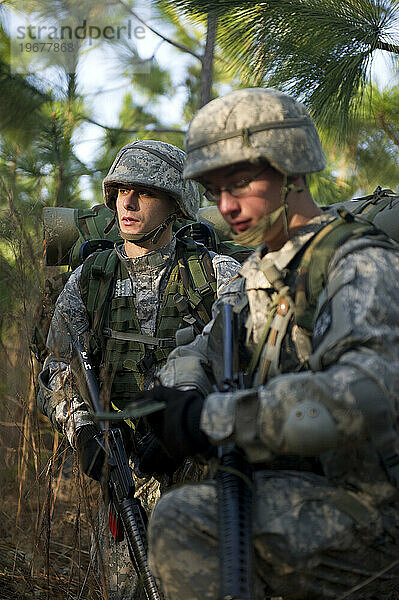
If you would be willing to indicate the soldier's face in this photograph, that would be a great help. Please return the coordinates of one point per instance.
(245, 193)
(142, 209)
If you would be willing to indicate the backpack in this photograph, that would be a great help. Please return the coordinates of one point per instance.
(66, 230)
(70, 235)
(376, 215)
(313, 268)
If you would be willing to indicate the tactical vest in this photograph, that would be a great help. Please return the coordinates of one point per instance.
(121, 350)
(285, 344)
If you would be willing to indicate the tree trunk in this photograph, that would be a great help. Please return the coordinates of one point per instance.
(207, 60)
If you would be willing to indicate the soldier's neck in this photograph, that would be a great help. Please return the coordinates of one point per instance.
(307, 211)
(301, 210)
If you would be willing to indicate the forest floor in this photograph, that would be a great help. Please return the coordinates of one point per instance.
(46, 519)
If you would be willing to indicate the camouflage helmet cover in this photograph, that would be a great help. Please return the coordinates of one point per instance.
(250, 125)
(156, 165)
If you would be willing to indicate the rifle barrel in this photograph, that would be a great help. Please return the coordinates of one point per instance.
(90, 378)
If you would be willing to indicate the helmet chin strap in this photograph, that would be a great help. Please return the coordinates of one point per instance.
(255, 235)
(152, 235)
(110, 224)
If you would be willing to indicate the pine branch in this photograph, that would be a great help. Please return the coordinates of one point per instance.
(388, 47)
(122, 130)
(86, 172)
(388, 130)
(163, 37)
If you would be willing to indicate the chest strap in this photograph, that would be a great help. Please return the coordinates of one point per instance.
(271, 351)
(147, 340)
(199, 282)
(267, 351)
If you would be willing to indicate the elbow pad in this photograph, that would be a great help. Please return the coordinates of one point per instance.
(309, 430)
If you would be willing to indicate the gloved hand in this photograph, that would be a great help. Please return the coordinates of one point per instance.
(91, 451)
(152, 459)
(177, 426)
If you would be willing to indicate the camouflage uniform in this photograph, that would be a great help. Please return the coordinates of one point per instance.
(148, 278)
(326, 509)
(59, 400)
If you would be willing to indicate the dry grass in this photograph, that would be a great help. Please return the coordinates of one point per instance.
(47, 510)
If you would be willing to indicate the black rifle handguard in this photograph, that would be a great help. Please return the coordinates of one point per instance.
(234, 489)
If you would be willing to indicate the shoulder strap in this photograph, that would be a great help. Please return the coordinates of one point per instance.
(313, 269)
(198, 278)
(96, 284)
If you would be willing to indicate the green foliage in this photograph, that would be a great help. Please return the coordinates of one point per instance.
(157, 82)
(370, 155)
(184, 30)
(318, 50)
(21, 102)
(327, 188)
(38, 166)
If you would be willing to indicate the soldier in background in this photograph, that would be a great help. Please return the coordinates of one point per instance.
(125, 305)
(318, 311)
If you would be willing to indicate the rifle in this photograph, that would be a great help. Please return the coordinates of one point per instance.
(234, 488)
(120, 484)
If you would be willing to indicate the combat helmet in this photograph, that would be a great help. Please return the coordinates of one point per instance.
(255, 125)
(251, 125)
(152, 164)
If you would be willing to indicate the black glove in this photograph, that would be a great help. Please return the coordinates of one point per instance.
(177, 426)
(91, 451)
(152, 459)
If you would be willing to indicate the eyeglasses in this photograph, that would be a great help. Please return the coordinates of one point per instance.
(237, 189)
